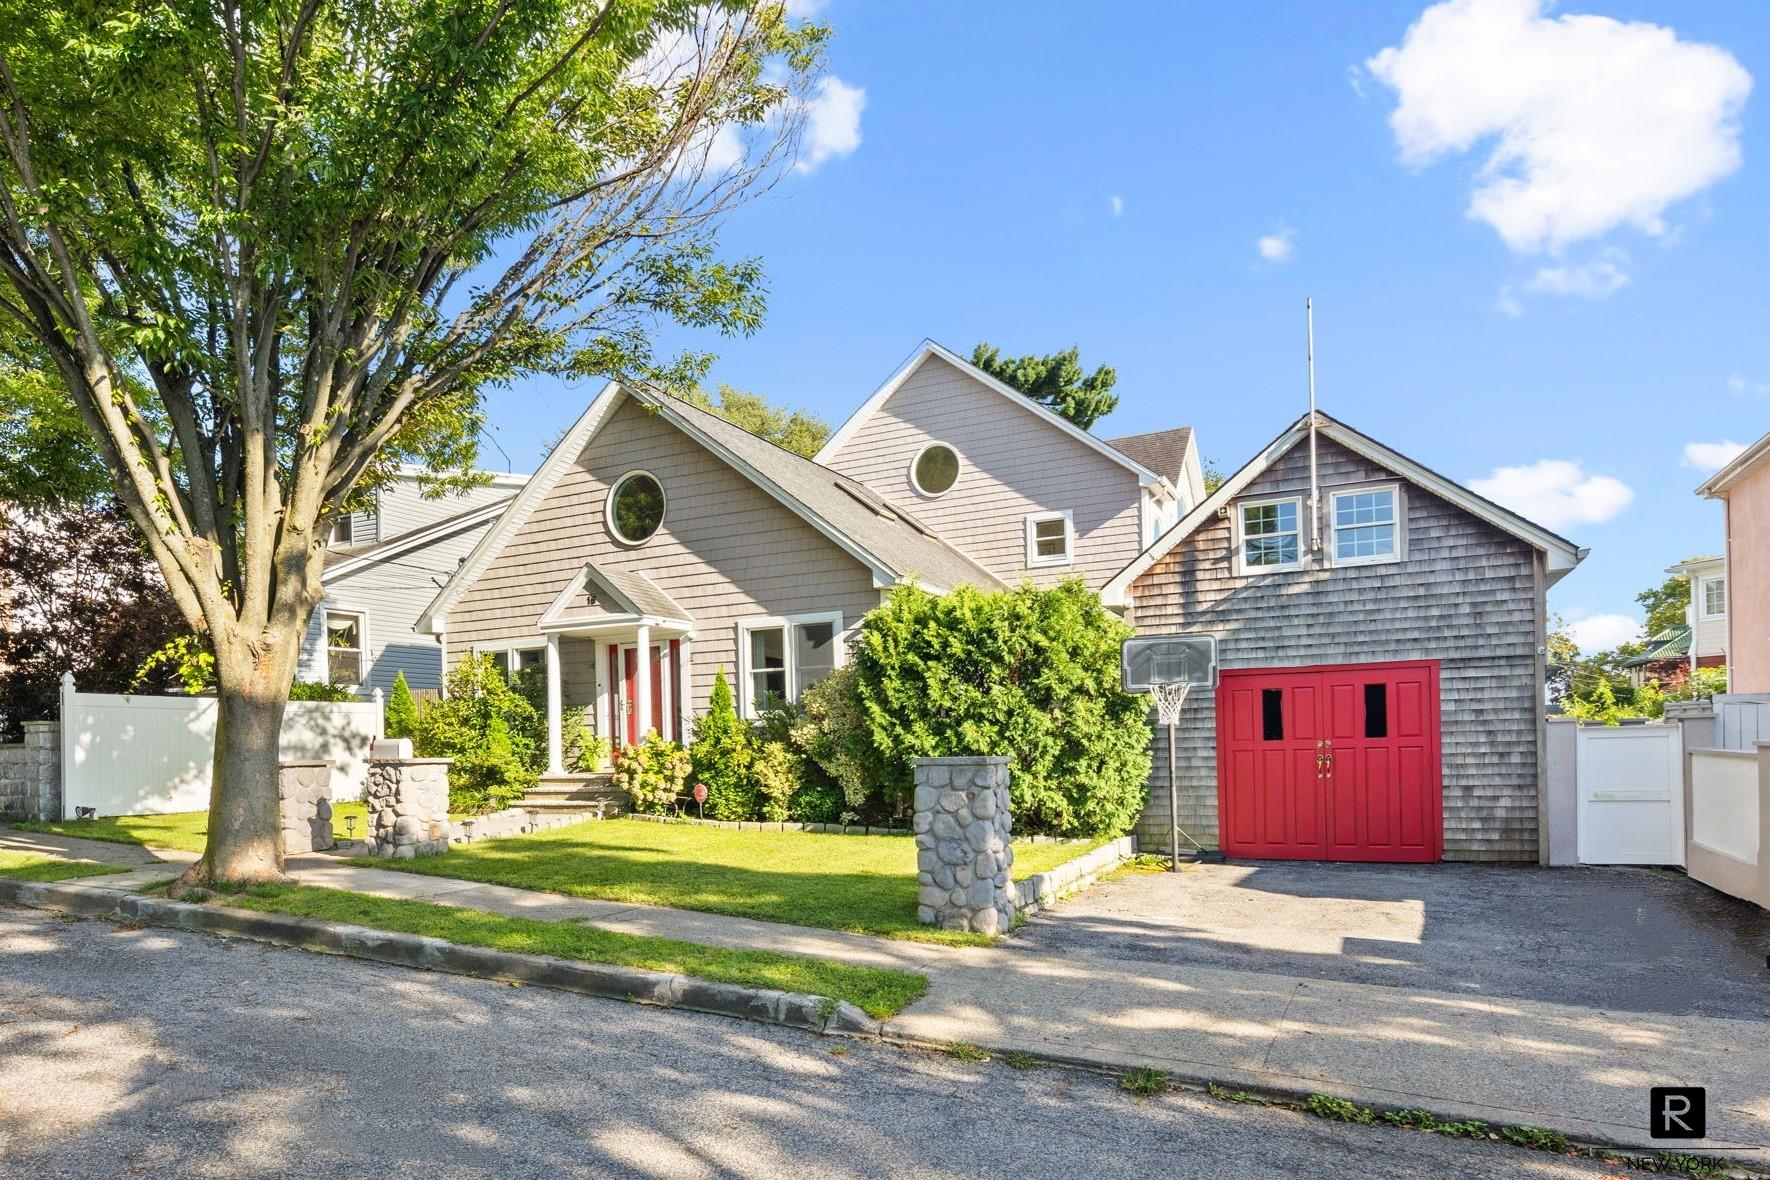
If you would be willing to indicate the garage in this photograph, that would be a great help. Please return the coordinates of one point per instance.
(1331, 763)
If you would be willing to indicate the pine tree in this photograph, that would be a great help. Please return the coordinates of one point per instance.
(402, 710)
(721, 756)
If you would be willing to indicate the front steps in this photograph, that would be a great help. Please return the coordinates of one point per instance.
(576, 794)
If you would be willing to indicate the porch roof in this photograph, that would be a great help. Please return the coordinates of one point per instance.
(600, 598)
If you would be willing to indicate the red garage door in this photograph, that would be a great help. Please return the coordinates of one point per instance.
(1336, 763)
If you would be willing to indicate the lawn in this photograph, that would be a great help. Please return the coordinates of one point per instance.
(29, 866)
(865, 884)
(184, 831)
(879, 991)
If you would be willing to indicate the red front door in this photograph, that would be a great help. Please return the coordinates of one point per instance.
(1334, 763)
(630, 691)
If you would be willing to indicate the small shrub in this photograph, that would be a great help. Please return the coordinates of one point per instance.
(488, 776)
(1340, 1110)
(652, 773)
(834, 736)
(774, 776)
(489, 729)
(721, 756)
(1143, 1082)
(319, 690)
(586, 751)
(402, 710)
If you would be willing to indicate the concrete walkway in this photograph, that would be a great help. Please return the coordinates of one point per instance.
(1570, 1068)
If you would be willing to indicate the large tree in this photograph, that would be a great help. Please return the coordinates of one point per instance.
(273, 248)
(799, 431)
(1056, 382)
(1665, 604)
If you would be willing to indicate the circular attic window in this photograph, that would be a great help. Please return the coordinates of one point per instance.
(935, 470)
(635, 508)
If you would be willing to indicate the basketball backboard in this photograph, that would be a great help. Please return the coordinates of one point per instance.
(1148, 660)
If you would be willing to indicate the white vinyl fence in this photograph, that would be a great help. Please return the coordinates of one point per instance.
(1728, 792)
(1630, 781)
(149, 755)
(1742, 720)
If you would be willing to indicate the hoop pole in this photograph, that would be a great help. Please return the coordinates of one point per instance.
(1173, 806)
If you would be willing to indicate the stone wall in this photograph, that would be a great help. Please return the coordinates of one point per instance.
(408, 802)
(963, 858)
(30, 774)
(304, 795)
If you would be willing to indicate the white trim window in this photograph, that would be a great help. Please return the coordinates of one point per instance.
(347, 642)
(1050, 539)
(635, 508)
(1269, 535)
(779, 658)
(1365, 525)
(512, 659)
(1711, 600)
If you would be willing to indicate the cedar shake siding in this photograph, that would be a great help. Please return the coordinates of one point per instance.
(1466, 594)
(1012, 464)
(727, 550)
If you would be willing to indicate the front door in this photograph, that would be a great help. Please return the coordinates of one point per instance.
(627, 693)
(1335, 763)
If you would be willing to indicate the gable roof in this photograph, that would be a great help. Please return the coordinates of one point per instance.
(894, 545)
(1561, 553)
(1717, 484)
(1162, 451)
(1671, 644)
(341, 562)
(929, 349)
(637, 597)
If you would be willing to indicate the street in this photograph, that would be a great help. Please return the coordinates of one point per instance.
(148, 1052)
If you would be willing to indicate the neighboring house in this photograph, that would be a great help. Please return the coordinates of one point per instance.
(1665, 657)
(383, 567)
(1381, 682)
(1743, 487)
(1026, 493)
(659, 544)
(1707, 613)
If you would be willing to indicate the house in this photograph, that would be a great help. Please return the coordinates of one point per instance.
(1382, 658)
(383, 566)
(1026, 493)
(659, 544)
(1743, 487)
(1665, 657)
(1707, 614)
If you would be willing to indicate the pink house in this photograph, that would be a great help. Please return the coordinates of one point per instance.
(1743, 487)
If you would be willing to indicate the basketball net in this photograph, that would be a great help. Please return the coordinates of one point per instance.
(1169, 698)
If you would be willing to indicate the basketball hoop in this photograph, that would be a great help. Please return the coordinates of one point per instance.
(1167, 667)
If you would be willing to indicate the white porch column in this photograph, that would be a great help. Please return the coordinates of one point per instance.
(555, 722)
(642, 681)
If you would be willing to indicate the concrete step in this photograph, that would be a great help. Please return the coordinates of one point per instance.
(580, 793)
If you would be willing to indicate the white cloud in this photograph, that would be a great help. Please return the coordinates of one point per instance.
(1597, 633)
(1556, 493)
(1711, 456)
(1738, 383)
(1595, 123)
(832, 122)
(1116, 203)
(1276, 246)
(1605, 275)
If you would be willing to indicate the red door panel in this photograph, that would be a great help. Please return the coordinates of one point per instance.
(1333, 763)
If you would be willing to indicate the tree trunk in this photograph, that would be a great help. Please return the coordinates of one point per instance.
(245, 825)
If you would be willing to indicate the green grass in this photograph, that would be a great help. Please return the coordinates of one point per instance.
(184, 831)
(28, 866)
(865, 884)
(879, 991)
(1143, 1082)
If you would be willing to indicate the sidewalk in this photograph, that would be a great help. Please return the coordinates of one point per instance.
(1576, 1070)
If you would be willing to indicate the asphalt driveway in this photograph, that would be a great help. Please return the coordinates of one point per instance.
(1621, 940)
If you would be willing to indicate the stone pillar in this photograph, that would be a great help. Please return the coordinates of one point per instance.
(304, 793)
(963, 858)
(408, 802)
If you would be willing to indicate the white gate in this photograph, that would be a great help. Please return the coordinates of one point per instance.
(151, 755)
(1631, 794)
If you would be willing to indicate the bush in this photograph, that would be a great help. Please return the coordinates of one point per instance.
(721, 756)
(319, 690)
(652, 773)
(1030, 673)
(774, 778)
(402, 710)
(489, 729)
(844, 772)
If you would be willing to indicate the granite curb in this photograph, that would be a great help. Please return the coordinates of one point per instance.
(819, 1014)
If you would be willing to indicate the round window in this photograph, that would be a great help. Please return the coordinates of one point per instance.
(636, 508)
(935, 470)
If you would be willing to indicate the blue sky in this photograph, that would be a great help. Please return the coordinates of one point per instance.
(1035, 176)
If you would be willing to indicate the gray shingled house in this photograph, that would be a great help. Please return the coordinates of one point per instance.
(1381, 686)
